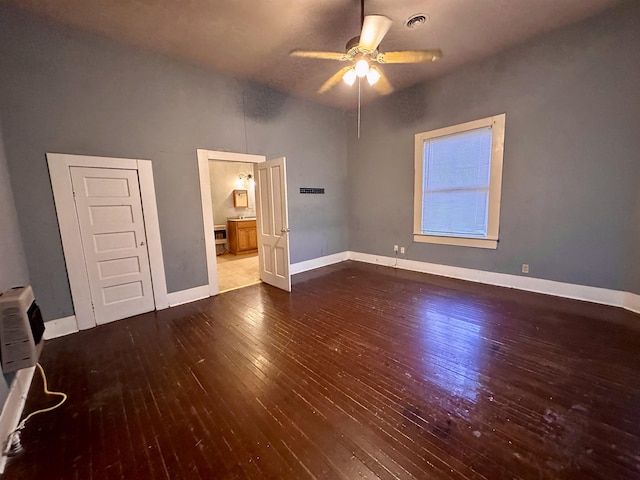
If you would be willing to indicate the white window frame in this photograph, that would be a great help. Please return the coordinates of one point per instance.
(497, 124)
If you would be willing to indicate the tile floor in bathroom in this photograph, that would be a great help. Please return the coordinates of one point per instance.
(237, 270)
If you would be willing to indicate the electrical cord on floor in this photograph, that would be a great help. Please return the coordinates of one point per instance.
(15, 446)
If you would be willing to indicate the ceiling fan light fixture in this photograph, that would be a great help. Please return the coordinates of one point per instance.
(362, 67)
(350, 77)
(373, 76)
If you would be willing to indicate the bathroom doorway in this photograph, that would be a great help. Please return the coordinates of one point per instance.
(271, 217)
(233, 204)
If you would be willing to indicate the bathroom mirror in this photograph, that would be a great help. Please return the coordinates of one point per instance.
(240, 199)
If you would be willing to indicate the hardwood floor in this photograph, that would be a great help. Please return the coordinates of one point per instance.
(360, 372)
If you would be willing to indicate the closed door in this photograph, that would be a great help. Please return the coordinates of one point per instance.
(273, 221)
(113, 236)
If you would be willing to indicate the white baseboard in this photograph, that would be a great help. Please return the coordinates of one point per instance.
(186, 296)
(68, 325)
(632, 302)
(375, 259)
(616, 298)
(60, 327)
(198, 293)
(604, 296)
(318, 262)
(12, 410)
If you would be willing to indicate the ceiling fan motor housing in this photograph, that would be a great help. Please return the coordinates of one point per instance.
(352, 44)
(353, 49)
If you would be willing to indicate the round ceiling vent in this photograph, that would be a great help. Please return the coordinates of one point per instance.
(416, 21)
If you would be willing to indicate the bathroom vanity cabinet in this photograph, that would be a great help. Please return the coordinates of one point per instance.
(243, 235)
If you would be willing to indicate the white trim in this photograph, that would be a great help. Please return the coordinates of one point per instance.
(152, 228)
(629, 301)
(93, 162)
(13, 407)
(375, 259)
(59, 171)
(458, 241)
(198, 293)
(604, 296)
(60, 327)
(189, 295)
(497, 124)
(71, 239)
(207, 211)
(207, 221)
(318, 262)
(632, 302)
(231, 156)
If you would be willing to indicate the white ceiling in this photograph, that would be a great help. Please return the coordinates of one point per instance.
(252, 38)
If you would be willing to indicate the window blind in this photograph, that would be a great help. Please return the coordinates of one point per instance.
(457, 170)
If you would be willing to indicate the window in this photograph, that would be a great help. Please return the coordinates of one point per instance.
(458, 179)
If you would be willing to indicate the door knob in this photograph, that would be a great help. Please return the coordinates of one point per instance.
(142, 244)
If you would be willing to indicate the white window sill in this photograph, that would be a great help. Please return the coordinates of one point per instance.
(458, 241)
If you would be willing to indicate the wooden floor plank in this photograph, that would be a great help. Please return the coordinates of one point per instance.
(361, 372)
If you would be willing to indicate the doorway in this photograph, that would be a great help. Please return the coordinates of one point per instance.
(271, 218)
(233, 203)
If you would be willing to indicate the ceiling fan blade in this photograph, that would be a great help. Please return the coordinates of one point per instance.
(319, 54)
(374, 28)
(335, 78)
(409, 56)
(382, 85)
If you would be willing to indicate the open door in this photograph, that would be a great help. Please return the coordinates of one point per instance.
(273, 222)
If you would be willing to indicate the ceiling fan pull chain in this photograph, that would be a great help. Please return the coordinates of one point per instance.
(359, 80)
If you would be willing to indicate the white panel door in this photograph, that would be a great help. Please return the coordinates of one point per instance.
(273, 223)
(113, 236)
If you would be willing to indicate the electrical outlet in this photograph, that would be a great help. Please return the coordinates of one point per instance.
(525, 268)
(395, 248)
(402, 250)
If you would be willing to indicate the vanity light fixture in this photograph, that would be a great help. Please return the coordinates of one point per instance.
(245, 179)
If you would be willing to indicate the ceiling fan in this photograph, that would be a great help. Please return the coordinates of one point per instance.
(362, 53)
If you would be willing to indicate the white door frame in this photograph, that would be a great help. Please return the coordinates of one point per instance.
(207, 211)
(60, 173)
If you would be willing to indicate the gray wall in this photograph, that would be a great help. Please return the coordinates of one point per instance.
(571, 207)
(62, 90)
(13, 265)
(571, 182)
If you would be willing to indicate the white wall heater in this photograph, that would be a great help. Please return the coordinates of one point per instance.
(21, 329)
